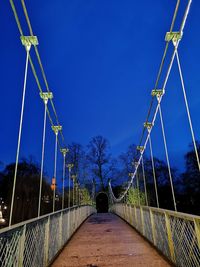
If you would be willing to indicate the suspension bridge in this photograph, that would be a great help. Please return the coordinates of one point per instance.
(78, 235)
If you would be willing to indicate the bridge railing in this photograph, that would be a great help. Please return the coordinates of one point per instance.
(36, 242)
(175, 234)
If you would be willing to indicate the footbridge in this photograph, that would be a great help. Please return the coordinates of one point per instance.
(88, 231)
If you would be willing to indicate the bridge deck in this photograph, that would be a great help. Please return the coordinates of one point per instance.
(106, 240)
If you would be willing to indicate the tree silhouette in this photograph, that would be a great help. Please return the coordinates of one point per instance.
(100, 160)
(27, 190)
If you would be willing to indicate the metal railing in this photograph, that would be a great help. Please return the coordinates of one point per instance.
(175, 234)
(36, 242)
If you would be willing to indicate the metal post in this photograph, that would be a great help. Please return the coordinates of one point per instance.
(153, 227)
(169, 236)
(197, 230)
(136, 221)
(142, 220)
(21, 246)
(46, 243)
(60, 229)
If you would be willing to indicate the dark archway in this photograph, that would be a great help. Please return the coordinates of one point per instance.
(102, 202)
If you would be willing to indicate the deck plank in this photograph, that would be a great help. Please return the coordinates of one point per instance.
(106, 240)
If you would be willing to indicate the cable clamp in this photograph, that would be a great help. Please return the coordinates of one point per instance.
(73, 177)
(140, 148)
(64, 151)
(46, 96)
(135, 163)
(175, 37)
(70, 166)
(158, 93)
(56, 129)
(148, 125)
(27, 41)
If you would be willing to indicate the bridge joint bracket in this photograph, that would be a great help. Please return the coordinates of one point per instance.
(46, 96)
(56, 129)
(175, 37)
(28, 41)
(148, 125)
(64, 151)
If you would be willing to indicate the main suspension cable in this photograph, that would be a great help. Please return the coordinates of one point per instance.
(34, 71)
(40, 64)
(163, 88)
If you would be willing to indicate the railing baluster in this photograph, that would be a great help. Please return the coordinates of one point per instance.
(197, 230)
(169, 235)
(153, 227)
(46, 242)
(21, 246)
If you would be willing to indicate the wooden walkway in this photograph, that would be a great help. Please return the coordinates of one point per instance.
(106, 240)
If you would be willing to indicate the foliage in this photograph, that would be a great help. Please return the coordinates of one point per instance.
(85, 197)
(135, 197)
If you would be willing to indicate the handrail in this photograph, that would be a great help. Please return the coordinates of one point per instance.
(36, 242)
(176, 235)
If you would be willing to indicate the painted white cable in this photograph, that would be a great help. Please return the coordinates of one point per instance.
(42, 160)
(55, 165)
(63, 182)
(187, 109)
(144, 180)
(154, 173)
(19, 138)
(167, 158)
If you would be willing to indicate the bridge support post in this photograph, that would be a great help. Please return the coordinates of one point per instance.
(197, 230)
(169, 236)
(142, 219)
(46, 242)
(60, 229)
(153, 227)
(21, 246)
(136, 221)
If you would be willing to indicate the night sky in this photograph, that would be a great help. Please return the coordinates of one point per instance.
(101, 60)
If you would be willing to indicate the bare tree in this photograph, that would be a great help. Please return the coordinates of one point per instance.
(99, 159)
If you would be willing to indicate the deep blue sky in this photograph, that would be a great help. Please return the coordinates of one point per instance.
(101, 59)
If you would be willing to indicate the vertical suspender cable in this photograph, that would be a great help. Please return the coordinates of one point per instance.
(153, 168)
(55, 165)
(19, 137)
(144, 179)
(42, 160)
(188, 110)
(73, 192)
(69, 184)
(167, 158)
(138, 188)
(63, 182)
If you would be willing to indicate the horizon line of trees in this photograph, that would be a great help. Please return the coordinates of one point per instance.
(95, 165)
